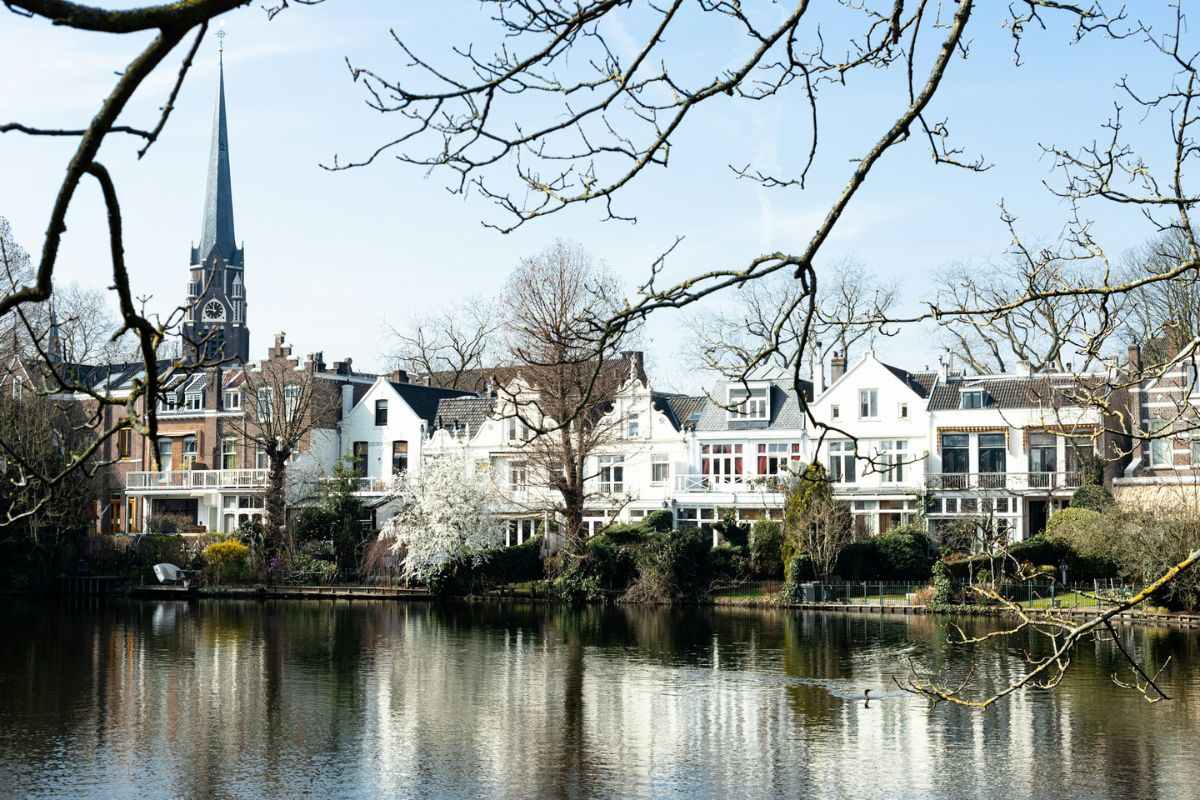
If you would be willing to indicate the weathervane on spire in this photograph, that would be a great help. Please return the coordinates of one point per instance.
(221, 41)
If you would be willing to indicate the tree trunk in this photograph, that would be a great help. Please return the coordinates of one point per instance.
(276, 542)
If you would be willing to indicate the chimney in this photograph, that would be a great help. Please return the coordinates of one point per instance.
(347, 399)
(343, 367)
(942, 371)
(1133, 358)
(1023, 367)
(837, 366)
(319, 360)
(398, 376)
(1177, 339)
(212, 382)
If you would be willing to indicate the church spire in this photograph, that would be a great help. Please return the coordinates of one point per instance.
(218, 199)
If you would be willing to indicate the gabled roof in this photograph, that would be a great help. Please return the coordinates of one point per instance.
(423, 400)
(920, 382)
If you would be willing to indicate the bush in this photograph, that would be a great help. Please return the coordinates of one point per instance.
(728, 565)
(627, 533)
(1091, 496)
(498, 566)
(169, 523)
(732, 532)
(904, 554)
(659, 521)
(943, 586)
(307, 568)
(798, 570)
(671, 566)
(1075, 515)
(766, 541)
(227, 559)
(603, 570)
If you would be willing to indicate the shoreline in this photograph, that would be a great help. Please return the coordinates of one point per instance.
(350, 593)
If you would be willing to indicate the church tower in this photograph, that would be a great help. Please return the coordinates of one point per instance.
(215, 327)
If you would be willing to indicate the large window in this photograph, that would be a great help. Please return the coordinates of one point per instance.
(749, 404)
(399, 457)
(381, 412)
(893, 458)
(956, 460)
(721, 463)
(264, 401)
(124, 443)
(164, 454)
(189, 452)
(518, 476)
(1043, 452)
(194, 401)
(1160, 445)
(291, 401)
(612, 474)
(261, 460)
(774, 457)
(868, 403)
(516, 430)
(660, 469)
(229, 453)
(841, 462)
(993, 460)
(360, 459)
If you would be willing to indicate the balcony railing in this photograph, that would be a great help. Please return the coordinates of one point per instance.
(727, 483)
(174, 480)
(1005, 481)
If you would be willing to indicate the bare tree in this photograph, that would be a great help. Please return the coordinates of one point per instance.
(816, 525)
(567, 371)
(1155, 307)
(285, 403)
(769, 315)
(452, 348)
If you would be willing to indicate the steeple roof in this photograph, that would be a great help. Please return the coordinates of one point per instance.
(218, 198)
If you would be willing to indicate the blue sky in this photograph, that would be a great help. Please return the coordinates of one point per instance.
(331, 257)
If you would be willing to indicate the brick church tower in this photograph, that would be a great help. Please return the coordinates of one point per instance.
(215, 327)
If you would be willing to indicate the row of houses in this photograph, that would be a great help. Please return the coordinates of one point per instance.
(1006, 449)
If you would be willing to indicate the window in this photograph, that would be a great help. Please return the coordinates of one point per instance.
(893, 456)
(1160, 445)
(168, 403)
(189, 452)
(956, 459)
(774, 457)
(131, 515)
(835, 412)
(265, 401)
(164, 454)
(360, 459)
(233, 399)
(868, 403)
(124, 443)
(612, 474)
(1043, 452)
(114, 510)
(632, 425)
(261, 460)
(902, 411)
(194, 401)
(973, 398)
(748, 404)
(993, 460)
(517, 432)
(1081, 458)
(1195, 449)
(381, 412)
(721, 463)
(399, 457)
(841, 462)
(229, 453)
(291, 401)
(660, 469)
(518, 476)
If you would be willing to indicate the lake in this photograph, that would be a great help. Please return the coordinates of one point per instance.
(226, 699)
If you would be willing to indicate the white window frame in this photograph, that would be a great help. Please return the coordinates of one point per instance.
(1161, 446)
(839, 455)
(291, 401)
(233, 399)
(518, 476)
(835, 411)
(902, 410)
(753, 404)
(612, 474)
(228, 448)
(980, 393)
(265, 403)
(632, 425)
(660, 469)
(868, 404)
(893, 458)
(193, 401)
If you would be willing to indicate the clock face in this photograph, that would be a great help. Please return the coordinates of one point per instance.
(213, 310)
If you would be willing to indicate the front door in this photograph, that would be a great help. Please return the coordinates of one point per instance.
(1036, 517)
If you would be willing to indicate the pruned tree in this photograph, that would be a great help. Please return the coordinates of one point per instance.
(568, 369)
(452, 348)
(285, 404)
(447, 511)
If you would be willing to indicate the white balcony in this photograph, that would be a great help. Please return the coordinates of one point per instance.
(1037, 482)
(726, 483)
(196, 480)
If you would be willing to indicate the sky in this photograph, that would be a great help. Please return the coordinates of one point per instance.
(333, 258)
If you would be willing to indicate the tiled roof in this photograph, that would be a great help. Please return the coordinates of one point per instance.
(919, 382)
(785, 411)
(1033, 391)
(680, 408)
(468, 411)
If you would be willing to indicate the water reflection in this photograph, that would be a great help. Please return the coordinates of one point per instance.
(399, 700)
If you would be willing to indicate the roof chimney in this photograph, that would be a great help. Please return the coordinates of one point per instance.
(398, 376)
(347, 399)
(942, 371)
(837, 367)
(1133, 358)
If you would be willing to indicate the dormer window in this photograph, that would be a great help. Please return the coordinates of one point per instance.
(194, 401)
(233, 399)
(974, 398)
(748, 404)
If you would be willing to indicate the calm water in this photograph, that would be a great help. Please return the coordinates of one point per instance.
(245, 700)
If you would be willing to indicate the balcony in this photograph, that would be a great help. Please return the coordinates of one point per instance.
(196, 480)
(1005, 481)
(726, 483)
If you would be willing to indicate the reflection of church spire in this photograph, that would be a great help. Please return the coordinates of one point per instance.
(218, 199)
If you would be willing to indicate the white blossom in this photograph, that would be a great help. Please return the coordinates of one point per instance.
(447, 511)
